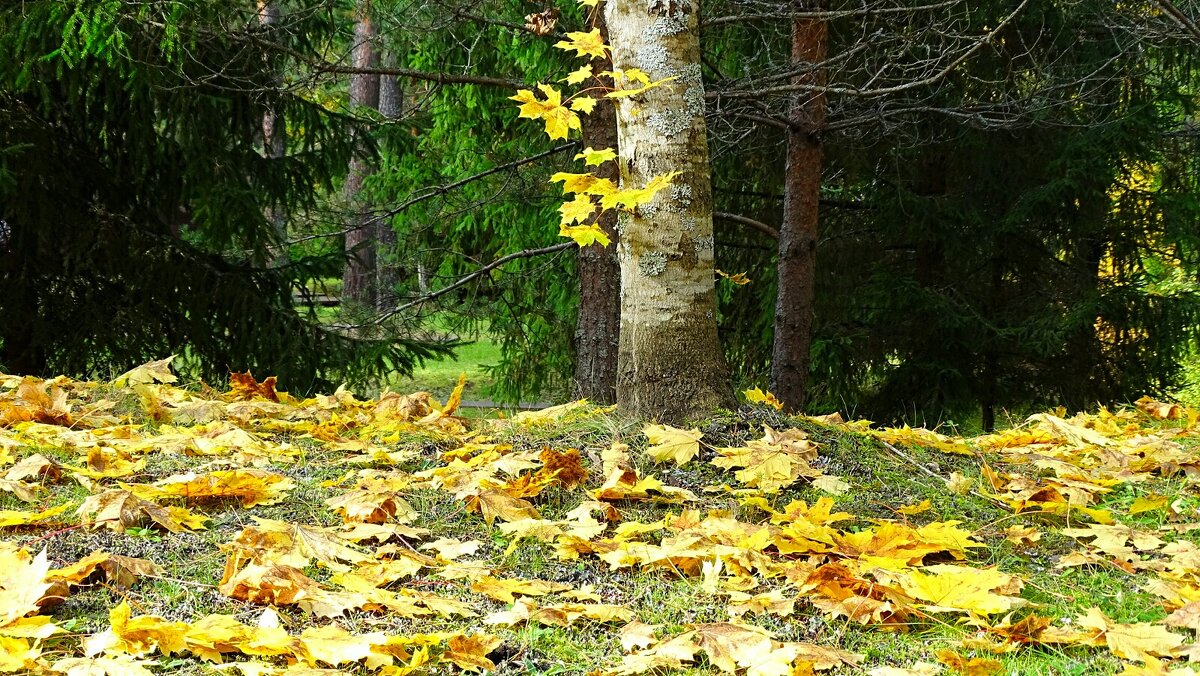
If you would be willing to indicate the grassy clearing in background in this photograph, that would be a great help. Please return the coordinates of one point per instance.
(439, 377)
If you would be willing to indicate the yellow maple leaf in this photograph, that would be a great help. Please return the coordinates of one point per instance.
(1022, 535)
(22, 586)
(634, 91)
(559, 615)
(17, 656)
(492, 503)
(1149, 503)
(593, 157)
(120, 509)
(1138, 641)
(119, 665)
(638, 635)
(1159, 410)
(580, 74)
(577, 210)
(505, 590)
(590, 44)
(757, 396)
(632, 198)
(959, 483)
(151, 372)
(280, 585)
(371, 506)
(980, 591)
(36, 466)
(137, 636)
(669, 443)
(243, 387)
(450, 548)
(119, 571)
(293, 544)
(558, 118)
(969, 666)
(623, 484)
(738, 278)
(455, 398)
(909, 510)
(585, 235)
(774, 602)
(251, 486)
(107, 463)
(10, 517)
(584, 183)
(775, 461)
(469, 652)
(335, 646)
(583, 104)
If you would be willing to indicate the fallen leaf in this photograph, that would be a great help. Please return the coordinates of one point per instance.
(1138, 641)
(118, 509)
(150, 372)
(637, 635)
(969, 666)
(669, 443)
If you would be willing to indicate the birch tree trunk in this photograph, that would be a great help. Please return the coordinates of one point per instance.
(797, 269)
(358, 279)
(670, 364)
(597, 334)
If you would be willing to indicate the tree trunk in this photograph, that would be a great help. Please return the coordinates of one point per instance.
(598, 328)
(797, 268)
(669, 364)
(358, 280)
(21, 352)
(387, 276)
(274, 140)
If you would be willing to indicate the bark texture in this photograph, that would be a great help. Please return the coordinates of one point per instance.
(597, 334)
(274, 139)
(387, 272)
(797, 268)
(670, 364)
(358, 280)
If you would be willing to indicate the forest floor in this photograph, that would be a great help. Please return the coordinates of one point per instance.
(150, 528)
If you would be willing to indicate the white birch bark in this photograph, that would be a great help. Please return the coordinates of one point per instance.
(670, 364)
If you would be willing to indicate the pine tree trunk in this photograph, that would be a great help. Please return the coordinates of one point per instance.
(598, 327)
(358, 280)
(274, 140)
(669, 364)
(387, 275)
(797, 268)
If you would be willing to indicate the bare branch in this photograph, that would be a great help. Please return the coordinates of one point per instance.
(443, 189)
(882, 91)
(757, 225)
(1180, 18)
(823, 15)
(526, 253)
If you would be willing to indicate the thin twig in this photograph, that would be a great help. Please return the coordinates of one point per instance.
(757, 225)
(526, 253)
(882, 91)
(907, 458)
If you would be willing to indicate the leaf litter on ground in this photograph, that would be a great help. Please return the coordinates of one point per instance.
(391, 536)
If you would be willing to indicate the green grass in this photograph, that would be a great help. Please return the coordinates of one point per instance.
(439, 377)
